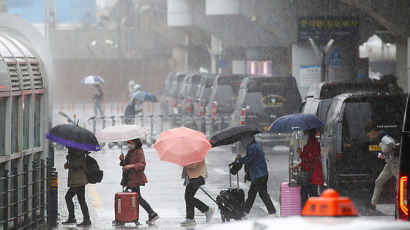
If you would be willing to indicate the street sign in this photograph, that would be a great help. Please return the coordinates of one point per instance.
(335, 57)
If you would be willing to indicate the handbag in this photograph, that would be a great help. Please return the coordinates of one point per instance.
(236, 166)
(304, 177)
(124, 179)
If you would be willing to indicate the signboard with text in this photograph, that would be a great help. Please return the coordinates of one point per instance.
(322, 29)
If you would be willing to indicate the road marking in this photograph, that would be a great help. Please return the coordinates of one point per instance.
(96, 199)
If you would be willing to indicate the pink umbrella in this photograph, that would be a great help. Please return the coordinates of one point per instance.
(182, 146)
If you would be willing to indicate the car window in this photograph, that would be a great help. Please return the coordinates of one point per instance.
(332, 116)
(356, 116)
(222, 94)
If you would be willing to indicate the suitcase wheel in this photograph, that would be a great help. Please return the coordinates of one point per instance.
(117, 223)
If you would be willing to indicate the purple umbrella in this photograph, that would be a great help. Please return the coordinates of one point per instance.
(74, 136)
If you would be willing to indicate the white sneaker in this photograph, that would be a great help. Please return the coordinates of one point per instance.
(188, 222)
(209, 214)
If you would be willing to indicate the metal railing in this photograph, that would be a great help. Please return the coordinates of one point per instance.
(24, 201)
(155, 124)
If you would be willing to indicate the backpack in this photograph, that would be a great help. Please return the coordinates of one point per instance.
(93, 172)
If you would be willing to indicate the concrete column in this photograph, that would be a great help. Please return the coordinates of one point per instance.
(216, 50)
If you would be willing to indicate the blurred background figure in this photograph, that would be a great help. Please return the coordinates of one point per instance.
(98, 100)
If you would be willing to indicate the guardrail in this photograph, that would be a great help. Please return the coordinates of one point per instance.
(24, 201)
(157, 123)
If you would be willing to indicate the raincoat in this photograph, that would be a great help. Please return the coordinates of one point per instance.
(308, 156)
(136, 175)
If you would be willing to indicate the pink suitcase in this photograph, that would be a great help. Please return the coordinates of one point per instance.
(290, 200)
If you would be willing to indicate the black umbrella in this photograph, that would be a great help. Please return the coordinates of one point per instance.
(74, 136)
(231, 135)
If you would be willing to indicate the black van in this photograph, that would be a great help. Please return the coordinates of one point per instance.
(320, 95)
(222, 101)
(202, 96)
(261, 100)
(349, 158)
(402, 205)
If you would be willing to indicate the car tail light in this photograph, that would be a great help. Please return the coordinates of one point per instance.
(175, 102)
(339, 156)
(188, 105)
(242, 120)
(402, 199)
(166, 101)
(201, 109)
(214, 107)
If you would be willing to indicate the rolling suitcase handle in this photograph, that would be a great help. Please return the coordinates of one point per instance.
(230, 177)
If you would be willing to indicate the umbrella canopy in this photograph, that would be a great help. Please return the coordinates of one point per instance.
(92, 80)
(296, 122)
(74, 136)
(182, 146)
(231, 135)
(144, 96)
(121, 133)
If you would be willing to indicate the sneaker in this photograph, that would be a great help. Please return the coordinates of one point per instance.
(152, 218)
(69, 221)
(209, 214)
(372, 207)
(85, 223)
(188, 222)
(274, 214)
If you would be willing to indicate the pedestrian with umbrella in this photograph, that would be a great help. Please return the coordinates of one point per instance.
(99, 95)
(79, 141)
(188, 148)
(255, 159)
(311, 167)
(133, 163)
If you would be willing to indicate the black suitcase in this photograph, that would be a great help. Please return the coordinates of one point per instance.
(230, 201)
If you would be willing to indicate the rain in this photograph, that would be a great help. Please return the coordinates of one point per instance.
(205, 114)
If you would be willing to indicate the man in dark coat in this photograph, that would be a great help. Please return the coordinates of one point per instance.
(258, 172)
(131, 111)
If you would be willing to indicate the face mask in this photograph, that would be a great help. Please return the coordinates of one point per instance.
(131, 146)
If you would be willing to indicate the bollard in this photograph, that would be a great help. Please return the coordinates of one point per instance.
(53, 198)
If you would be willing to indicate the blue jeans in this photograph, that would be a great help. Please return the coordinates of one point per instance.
(141, 200)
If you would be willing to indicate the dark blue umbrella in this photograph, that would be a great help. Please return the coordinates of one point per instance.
(74, 136)
(231, 135)
(144, 96)
(296, 122)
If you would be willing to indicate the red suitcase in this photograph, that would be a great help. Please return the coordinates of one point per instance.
(126, 207)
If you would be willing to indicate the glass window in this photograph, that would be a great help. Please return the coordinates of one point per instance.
(14, 123)
(3, 101)
(37, 119)
(26, 121)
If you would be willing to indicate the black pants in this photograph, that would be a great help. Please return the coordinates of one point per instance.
(192, 202)
(80, 192)
(259, 185)
(308, 191)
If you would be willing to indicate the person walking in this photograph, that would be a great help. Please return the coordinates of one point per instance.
(133, 108)
(194, 175)
(77, 179)
(134, 165)
(258, 172)
(389, 154)
(310, 157)
(98, 100)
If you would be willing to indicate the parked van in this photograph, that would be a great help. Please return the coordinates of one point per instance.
(261, 100)
(320, 95)
(173, 97)
(188, 97)
(202, 96)
(165, 93)
(222, 101)
(349, 158)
